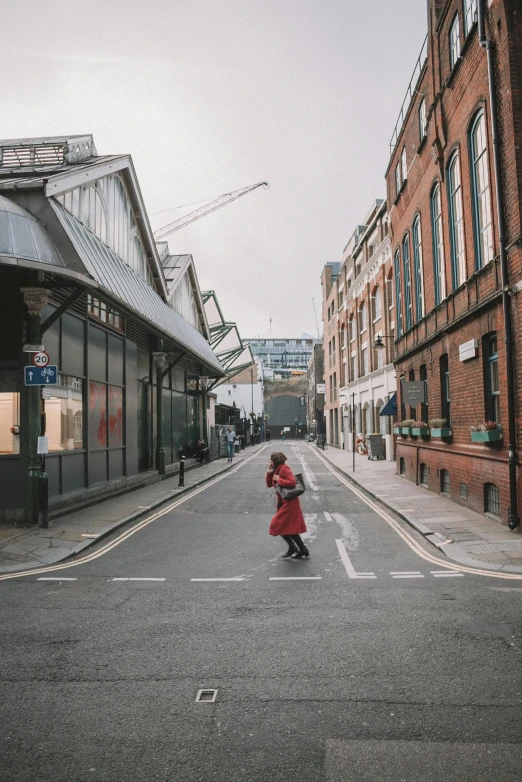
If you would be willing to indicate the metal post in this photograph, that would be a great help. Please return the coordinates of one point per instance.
(36, 300)
(353, 430)
(159, 360)
(181, 481)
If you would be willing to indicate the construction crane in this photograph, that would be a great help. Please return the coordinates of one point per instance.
(316, 320)
(217, 203)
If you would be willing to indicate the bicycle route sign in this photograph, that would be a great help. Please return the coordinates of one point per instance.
(41, 376)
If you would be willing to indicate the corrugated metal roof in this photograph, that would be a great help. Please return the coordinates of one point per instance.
(122, 282)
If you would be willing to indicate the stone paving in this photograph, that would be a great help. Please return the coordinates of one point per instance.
(463, 535)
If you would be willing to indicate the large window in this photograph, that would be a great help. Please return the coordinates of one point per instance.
(376, 304)
(438, 245)
(422, 119)
(363, 314)
(398, 298)
(445, 389)
(364, 360)
(64, 414)
(398, 181)
(480, 192)
(9, 422)
(417, 268)
(458, 255)
(454, 41)
(404, 165)
(408, 310)
(470, 13)
(491, 386)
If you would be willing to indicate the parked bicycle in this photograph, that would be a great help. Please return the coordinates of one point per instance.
(321, 441)
(360, 446)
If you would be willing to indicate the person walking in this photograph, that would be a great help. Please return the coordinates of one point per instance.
(289, 520)
(282, 434)
(230, 437)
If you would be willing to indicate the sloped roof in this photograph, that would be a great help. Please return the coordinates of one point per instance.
(23, 236)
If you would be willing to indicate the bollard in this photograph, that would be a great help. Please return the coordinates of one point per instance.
(43, 496)
(181, 471)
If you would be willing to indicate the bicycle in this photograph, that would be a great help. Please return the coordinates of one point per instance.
(360, 446)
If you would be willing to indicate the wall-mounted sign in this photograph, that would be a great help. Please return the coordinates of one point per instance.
(468, 350)
(321, 388)
(43, 445)
(40, 359)
(413, 392)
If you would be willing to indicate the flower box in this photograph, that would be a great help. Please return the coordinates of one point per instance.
(440, 432)
(405, 430)
(396, 430)
(488, 436)
(421, 431)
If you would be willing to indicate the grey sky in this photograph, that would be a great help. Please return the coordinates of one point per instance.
(209, 96)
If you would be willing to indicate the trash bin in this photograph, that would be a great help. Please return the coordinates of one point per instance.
(236, 445)
(375, 446)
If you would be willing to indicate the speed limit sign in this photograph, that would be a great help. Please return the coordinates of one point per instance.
(41, 359)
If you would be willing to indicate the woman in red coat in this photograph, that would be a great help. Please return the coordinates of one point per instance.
(289, 520)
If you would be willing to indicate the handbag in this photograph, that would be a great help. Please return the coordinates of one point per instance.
(299, 488)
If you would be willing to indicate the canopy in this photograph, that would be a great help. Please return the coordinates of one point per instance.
(390, 408)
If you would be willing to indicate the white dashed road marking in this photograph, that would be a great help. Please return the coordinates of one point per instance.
(445, 574)
(56, 578)
(327, 516)
(295, 578)
(240, 578)
(406, 574)
(137, 579)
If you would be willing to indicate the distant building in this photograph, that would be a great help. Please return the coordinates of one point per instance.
(315, 392)
(282, 356)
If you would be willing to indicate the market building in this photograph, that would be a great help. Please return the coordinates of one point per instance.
(454, 184)
(130, 360)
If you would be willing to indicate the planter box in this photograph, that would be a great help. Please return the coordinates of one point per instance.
(396, 430)
(405, 430)
(440, 432)
(489, 436)
(423, 431)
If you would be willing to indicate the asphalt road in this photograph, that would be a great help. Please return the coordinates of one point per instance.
(364, 662)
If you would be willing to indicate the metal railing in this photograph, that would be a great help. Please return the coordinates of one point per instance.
(410, 94)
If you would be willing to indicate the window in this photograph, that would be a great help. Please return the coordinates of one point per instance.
(376, 304)
(491, 499)
(491, 387)
(94, 213)
(408, 310)
(352, 329)
(64, 415)
(411, 379)
(380, 358)
(470, 15)
(445, 388)
(402, 466)
(438, 245)
(101, 311)
(423, 375)
(423, 476)
(353, 363)
(417, 269)
(445, 485)
(422, 119)
(458, 256)
(364, 359)
(454, 41)
(464, 491)
(398, 299)
(398, 179)
(9, 421)
(480, 192)
(389, 290)
(403, 403)
(364, 317)
(404, 166)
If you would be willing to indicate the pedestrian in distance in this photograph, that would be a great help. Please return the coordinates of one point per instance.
(282, 434)
(230, 437)
(289, 520)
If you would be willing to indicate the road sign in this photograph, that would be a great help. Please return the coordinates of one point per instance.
(41, 376)
(46, 393)
(41, 359)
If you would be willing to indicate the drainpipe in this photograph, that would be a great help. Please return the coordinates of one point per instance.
(488, 45)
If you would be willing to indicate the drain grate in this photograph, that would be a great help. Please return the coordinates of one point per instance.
(206, 696)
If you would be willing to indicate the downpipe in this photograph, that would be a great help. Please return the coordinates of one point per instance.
(489, 46)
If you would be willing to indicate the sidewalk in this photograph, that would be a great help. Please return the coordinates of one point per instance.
(25, 548)
(464, 536)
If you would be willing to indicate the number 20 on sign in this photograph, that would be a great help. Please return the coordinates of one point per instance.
(41, 359)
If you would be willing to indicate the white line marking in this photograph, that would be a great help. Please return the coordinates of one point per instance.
(219, 579)
(56, 578)
(348, 565)
(405, 572)
(295, 578)
(446, 575)
(327, 516)
(138, 579)
(412, 575)
(89, 535)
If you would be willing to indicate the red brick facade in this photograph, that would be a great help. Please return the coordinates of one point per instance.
(454, 157)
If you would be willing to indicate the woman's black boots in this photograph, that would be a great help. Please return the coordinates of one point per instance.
(302, 551)
(292, 547)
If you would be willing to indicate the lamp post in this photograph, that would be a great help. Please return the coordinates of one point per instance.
(159, 358)
(204, 383)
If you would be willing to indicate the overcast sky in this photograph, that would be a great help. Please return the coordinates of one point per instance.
(209, 96)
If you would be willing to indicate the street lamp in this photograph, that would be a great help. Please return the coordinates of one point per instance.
(379, 344)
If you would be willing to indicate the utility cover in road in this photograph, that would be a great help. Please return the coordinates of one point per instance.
(41, 376)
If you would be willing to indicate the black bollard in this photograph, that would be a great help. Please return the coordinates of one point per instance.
(181, 471)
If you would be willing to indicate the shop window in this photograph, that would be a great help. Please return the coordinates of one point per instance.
(64, 414)
(491, 385)
(445, 486)
(423, 475)
(9, 422)
(491, 499)
(97, 415)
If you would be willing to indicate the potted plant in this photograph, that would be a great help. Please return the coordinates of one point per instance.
(420, 428)
(405, 426)
(438, 427)
(486, 432)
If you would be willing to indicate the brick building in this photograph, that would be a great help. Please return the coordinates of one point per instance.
(456, 278)
(332, 297)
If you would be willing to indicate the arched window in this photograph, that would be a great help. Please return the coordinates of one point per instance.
(454, 41)
(398, 298)
(93, 212)
(480, 192)
(408, 309)
(417, 268)
(422, 119)
(456, 221)
(438, 245)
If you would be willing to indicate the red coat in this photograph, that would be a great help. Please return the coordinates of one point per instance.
(289, 519)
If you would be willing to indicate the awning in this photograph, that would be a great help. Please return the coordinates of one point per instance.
(390, 408)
